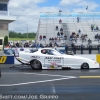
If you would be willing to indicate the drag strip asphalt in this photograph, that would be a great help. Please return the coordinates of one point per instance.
(38, 78)
(70, 84)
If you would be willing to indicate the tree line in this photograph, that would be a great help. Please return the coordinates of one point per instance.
(13, 34)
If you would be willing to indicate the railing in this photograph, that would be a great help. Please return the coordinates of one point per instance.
(75, 24)
(83, 28)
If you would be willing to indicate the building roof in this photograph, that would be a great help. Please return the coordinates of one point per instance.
(4, 14)
(9, 19)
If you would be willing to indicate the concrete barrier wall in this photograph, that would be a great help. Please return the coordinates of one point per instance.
(7, 60)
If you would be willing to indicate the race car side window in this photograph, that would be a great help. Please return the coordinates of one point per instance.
(53, 52)
(44, 51)
(50, 52)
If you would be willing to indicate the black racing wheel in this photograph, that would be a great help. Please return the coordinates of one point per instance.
(85, 66)
(36, 64)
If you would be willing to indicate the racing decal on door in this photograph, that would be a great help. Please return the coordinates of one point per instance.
(48, 66)
(35, 57)
(54, 59)
(54, 62)
(6, 59)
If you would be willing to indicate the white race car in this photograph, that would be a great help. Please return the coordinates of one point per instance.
(49, 58)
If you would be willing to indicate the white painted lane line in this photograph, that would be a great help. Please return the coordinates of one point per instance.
(13, 73)
(40, 74)
(51, 75)
(35, 82)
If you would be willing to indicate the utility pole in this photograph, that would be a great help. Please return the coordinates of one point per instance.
(27, 31)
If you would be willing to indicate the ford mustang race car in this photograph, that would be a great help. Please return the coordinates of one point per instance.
(49, 58)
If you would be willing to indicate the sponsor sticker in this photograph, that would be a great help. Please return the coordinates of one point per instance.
(36, 57)
(3, 59)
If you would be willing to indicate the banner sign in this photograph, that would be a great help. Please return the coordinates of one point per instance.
(79, 14)
(6, 59)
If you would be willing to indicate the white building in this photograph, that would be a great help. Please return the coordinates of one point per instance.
(5, 19)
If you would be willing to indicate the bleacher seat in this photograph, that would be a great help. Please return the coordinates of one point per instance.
(47, 27)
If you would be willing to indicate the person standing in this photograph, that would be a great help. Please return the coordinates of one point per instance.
(74, 49)
(17, 44)
(66, 49)
(90, 49)
(60, 21)
(87, 8)
(98, 49)
(56, 27)
(82, 48)
(79, 31)
(78, 19)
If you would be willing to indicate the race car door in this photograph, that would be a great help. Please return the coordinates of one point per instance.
(52, 61)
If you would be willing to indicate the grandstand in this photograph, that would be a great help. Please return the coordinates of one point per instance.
(47, 26)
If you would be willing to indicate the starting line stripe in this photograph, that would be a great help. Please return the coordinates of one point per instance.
(89, 76)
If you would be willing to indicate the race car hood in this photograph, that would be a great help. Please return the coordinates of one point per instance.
(76, 57)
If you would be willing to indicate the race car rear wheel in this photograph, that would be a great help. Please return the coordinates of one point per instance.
(35, 64)
(85, 66)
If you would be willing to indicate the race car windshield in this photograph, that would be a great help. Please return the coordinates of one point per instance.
(59, 51)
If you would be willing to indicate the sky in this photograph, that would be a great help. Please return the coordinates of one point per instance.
(27, 12)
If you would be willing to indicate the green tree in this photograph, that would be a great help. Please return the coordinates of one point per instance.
(5, 40)
(13, 34)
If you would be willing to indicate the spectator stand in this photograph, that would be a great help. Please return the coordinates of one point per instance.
(48, 27)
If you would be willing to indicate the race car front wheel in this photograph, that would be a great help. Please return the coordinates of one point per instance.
(35, 64)
(85, 66)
